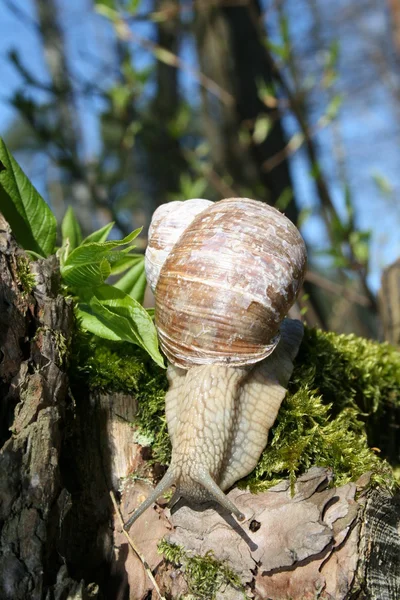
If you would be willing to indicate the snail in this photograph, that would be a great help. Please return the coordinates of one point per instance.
(225, 275)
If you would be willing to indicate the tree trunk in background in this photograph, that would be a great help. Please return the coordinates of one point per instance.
(232, 55)
(66, 132)
(54, 54)
(165, 155)
(394, 9)
(389, 303)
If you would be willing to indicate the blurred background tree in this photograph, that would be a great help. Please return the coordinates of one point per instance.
(114, 107)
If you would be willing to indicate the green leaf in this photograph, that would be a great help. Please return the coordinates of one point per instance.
(359, 243)
(133, 282)
(284, 29)
(121, 96)
(32, 222)
(89, 265)
(165, 56)
(62, 253)
(132, 6)
(89, 321)
(281, 51)
(88, 275)
(349, 207)
(124, 262)
(71, 229)
(106, 3)
(333, 107)
(100, 235)
(332, 57)
(315, 171)
(339, 260)
(262, 128)
(383, 184)
(112, 314)
(338, 230)
(284, 199)
(190, 188)
(304, 215)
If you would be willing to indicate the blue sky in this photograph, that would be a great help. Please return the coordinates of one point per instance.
(368, 123)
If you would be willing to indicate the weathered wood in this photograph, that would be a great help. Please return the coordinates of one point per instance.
(35, 326)
(62, 450)
(322, 542)
(389, 303)
(379, 568)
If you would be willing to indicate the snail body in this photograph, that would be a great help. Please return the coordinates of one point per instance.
(222, 291)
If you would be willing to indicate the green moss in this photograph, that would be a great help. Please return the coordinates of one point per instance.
(100, 365)
(204, 574)
(336, 412)
(61, 341)
(343, 396)
(62, 345)
(26, 278)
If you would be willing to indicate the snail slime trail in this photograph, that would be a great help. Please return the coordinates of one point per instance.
(224, 276)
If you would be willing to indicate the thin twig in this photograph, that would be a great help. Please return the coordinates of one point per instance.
(329, 210)
(134, 548)
(211, 175)
(171, 59)
(337, 288)
(294, 144)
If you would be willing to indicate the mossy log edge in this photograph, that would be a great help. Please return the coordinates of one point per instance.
(56, 520)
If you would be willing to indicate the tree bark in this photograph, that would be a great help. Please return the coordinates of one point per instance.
(63, 450)
(332, 543)
(33, 334)
(389, 303)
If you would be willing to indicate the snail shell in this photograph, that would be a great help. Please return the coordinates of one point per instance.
(227, 283)
(167, 225)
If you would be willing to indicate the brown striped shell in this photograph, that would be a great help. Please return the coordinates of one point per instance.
(227, 283)
(168, 223)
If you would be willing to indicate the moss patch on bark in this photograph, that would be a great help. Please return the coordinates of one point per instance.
(204, 574)
(341, 410)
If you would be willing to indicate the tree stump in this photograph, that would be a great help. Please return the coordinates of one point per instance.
(389, 303)
(62, 452)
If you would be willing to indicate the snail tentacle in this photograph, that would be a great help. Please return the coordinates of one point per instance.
(218, 495)
(166, 482)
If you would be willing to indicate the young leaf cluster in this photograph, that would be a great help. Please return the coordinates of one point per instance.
(109, 311)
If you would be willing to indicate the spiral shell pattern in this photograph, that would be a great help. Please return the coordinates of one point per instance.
(227, 283)
(168, 223)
